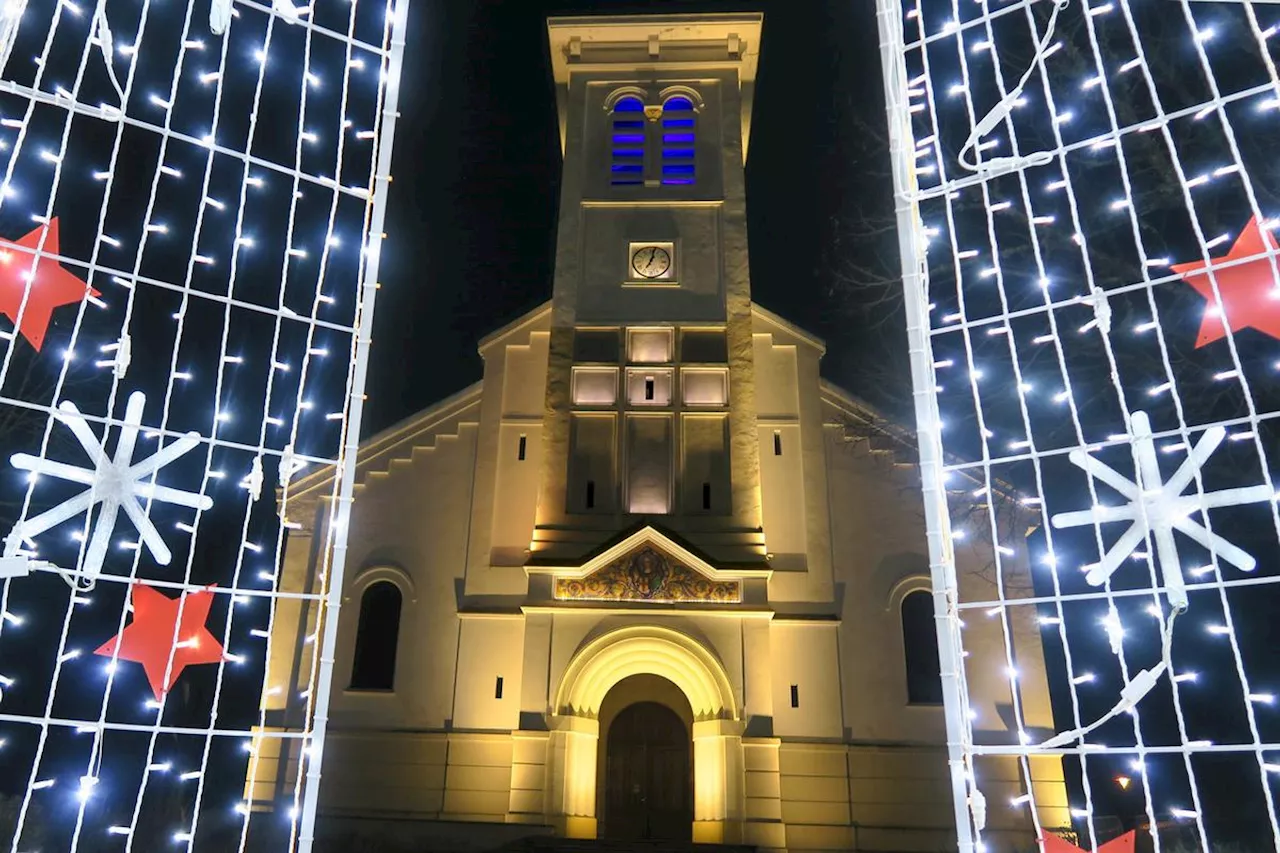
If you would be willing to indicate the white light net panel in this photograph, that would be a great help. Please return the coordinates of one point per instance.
(1088, 203)
(191, 209)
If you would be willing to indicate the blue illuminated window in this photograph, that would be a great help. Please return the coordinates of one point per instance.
(627, 164)
(678, 139)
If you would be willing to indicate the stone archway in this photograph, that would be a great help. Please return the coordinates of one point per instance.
(717, 730)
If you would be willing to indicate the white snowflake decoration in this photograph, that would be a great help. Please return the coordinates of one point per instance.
(116, 483)
(1160, 508)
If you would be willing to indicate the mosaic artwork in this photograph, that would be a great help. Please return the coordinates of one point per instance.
(648, 575)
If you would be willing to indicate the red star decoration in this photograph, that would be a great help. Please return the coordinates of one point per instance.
(148, 638)
(51, 286)
(1124, 844)
(1249, 293)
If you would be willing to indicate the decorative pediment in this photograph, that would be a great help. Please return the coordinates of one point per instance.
(648, 574)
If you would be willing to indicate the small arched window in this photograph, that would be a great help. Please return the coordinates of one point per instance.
(377, 635)
(920, 642)
(627, 163)
(678, 137)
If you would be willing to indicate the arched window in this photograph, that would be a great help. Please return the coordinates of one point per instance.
(920, 641)
(374, 664)
(678, 136)
(627, 164)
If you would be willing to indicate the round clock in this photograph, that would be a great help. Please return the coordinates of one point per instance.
(651, 261)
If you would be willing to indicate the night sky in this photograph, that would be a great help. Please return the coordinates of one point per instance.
(472, 212)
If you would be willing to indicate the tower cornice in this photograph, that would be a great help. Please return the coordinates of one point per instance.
(656, 43)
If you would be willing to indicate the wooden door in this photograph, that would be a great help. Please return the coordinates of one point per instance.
(648, 775)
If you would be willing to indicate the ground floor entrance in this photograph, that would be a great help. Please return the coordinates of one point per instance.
(647, 742)
(648, 775)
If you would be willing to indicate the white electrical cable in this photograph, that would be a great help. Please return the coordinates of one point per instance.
(1134, 691)
(1004, 165)
(107, 45)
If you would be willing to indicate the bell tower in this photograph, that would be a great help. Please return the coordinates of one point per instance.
(650, 398)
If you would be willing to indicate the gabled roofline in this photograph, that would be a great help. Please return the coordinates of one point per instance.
(906, 436)
(637, 535)
(526, 319)
(856, 406)
(778, 320)
(383, 443)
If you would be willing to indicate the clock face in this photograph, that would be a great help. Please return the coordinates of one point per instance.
(651, 261)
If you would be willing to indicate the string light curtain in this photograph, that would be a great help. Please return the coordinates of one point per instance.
(1087, 210)
(191, 218)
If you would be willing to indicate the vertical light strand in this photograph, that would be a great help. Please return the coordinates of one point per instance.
(103, 747)
(1111, 208)
(928, 421)
(397, 12)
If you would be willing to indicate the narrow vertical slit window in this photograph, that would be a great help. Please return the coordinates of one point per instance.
(626, 165)
(706, 496)
(648, 387)
(591, 494)
(795, 696)
(524, 442)
(777, 443)
(678, 137)
(497, 688)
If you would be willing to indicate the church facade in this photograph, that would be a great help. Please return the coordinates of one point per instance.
(651, 577)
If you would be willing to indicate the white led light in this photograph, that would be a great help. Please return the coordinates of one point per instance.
(175, 294)
(1178, 486)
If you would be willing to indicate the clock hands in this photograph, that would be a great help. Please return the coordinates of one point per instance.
(648, 265)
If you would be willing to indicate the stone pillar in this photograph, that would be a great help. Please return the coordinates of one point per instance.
(571, 777)
(717, 782)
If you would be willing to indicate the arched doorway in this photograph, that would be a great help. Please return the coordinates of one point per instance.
(648, 791)
(579, 741)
